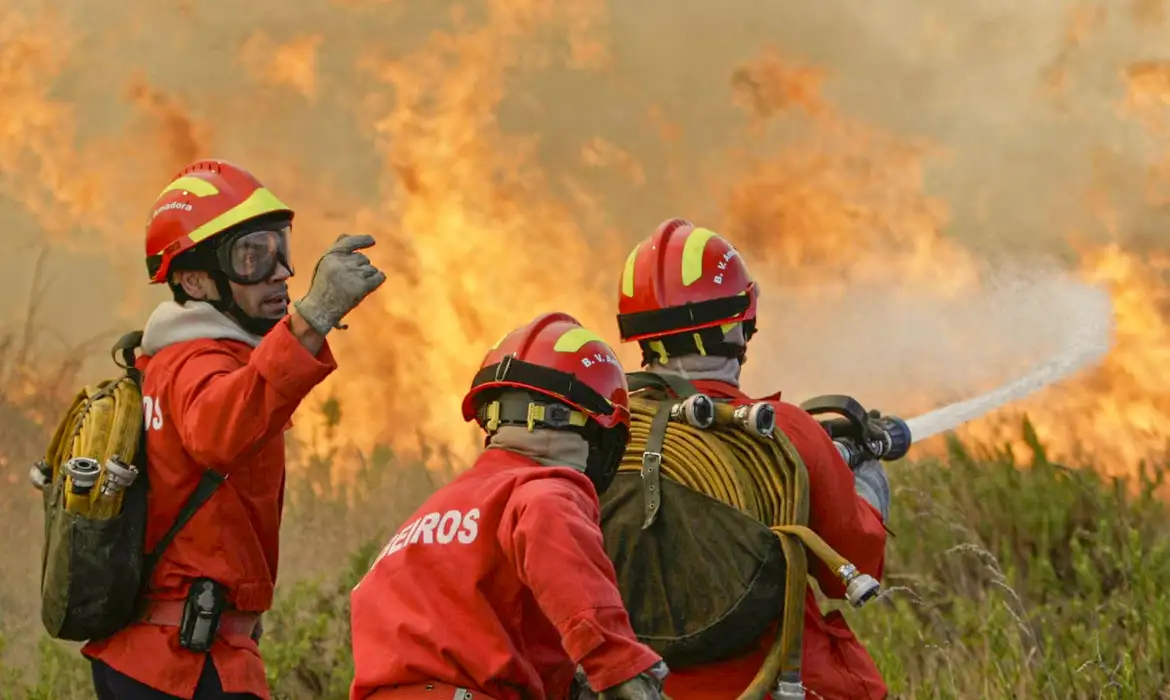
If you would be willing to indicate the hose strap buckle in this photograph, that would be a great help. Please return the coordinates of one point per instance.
(651, 461)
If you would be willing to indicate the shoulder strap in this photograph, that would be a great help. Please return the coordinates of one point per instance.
(644, 380)
(124, 350)
(210, 480)
(652, 463)
(207, 485)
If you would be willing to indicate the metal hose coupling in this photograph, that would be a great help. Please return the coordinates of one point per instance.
(859, 588)
(759, 418)
(119, 475)
(850, 453)
(788, 686)
(788, 691)
(697, 411)
(41, 475)
(83, 474)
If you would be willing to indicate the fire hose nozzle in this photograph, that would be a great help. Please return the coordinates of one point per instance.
(758, 418)
(697, 411)
(891, 437)
(859, 588)
(860, 435)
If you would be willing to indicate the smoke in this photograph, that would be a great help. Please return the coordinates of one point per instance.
(1020, 99)
(1084, 346)
(895, 349)
(1024, 98)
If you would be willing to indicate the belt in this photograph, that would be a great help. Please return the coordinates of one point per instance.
(425, 691)
(169, 613)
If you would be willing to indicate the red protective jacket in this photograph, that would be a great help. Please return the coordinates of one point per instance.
(221, 404)
(498, 584)
(835, 666)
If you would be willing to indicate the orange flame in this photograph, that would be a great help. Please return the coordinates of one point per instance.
(484, 220)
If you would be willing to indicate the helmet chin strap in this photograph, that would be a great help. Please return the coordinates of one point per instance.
(226, 304)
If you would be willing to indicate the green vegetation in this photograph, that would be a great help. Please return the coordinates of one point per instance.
(1007, 578)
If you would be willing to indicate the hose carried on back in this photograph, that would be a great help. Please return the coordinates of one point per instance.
(93, 448)
(733, 455)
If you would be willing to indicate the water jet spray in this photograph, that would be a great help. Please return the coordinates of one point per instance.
(860, 435)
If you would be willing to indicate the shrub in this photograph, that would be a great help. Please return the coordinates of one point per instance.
(1005, 578)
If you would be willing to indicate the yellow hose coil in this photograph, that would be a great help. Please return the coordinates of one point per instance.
(762, 477)
(104, 421)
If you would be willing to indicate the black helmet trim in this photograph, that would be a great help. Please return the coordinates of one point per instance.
(546, 379)
(673, 318)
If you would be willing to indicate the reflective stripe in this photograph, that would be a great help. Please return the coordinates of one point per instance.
(628, 272)
(659, 349)
(573, 340)
(195, 185)
(258, 203)
(692, 257)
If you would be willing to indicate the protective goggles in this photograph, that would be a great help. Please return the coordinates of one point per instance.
(253, 257)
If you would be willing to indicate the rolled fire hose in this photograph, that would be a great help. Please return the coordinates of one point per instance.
(97, 440)
(741, 470)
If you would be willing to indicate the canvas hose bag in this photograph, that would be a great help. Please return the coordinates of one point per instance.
(707, 531)
(93, 481)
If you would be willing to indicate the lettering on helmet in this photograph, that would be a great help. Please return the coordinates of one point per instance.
(598, 358)
(436, 528)
(722, 264)
(182, 206)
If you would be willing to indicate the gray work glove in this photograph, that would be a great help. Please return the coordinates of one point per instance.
(873, 485)
(342, 278)
(644, 686)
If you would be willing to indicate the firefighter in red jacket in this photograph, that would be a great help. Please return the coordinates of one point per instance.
(224, 365)
(499, 587)
(686, 297)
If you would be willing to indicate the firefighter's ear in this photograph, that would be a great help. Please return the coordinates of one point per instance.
(196, 284)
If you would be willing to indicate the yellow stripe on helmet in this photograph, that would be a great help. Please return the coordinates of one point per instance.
(258, 203)
(575, 339)
(628, 272)
(692, 257)
(195, 185)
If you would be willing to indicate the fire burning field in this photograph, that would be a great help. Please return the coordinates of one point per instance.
(920, 191)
